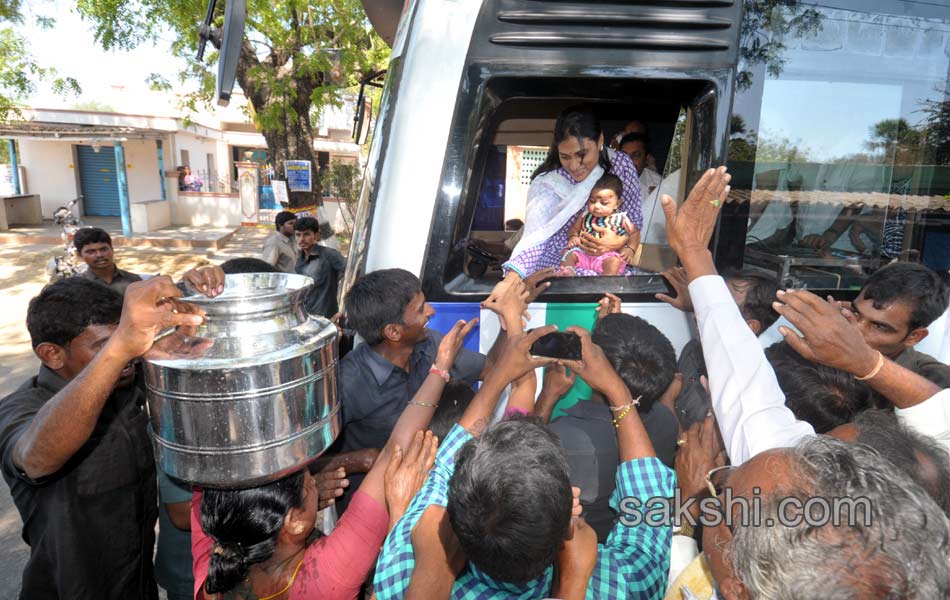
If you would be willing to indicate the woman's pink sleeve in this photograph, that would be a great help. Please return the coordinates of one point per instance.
(200, 545)
(336, 566)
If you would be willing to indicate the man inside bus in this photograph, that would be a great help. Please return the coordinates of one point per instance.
(280, 249)
(74, 440)
(894, 309)
(94, 246)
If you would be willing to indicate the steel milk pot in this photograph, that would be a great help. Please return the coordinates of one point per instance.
(251, 394)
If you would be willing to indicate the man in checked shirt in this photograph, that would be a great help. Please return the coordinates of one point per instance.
(502, 495)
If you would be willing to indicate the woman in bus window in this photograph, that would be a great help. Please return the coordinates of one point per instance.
(559, 190)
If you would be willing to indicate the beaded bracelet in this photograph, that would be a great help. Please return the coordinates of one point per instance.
(620, 416)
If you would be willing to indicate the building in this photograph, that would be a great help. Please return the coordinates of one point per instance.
(67, 153)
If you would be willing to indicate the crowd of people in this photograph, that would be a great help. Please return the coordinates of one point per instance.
(815, 468)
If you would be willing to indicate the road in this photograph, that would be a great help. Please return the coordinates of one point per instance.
(22, 276)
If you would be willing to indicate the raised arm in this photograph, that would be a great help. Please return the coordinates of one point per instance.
(747, 400)
(418, 413)
(67, 420)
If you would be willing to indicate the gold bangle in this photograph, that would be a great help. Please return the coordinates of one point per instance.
(621, 416)
(876, 370)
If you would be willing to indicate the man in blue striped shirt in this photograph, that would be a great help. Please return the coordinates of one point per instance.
(508, 498)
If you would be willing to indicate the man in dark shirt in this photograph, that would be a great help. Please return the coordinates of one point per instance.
(94, 246)
(646, 362)
(389, 311)
(895, 307)
(74, 446)
(324, 265)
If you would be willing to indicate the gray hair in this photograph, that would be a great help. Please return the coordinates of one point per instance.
(901, 549)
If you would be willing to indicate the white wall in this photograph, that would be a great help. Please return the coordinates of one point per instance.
(215, 210)
(50, 173)
(141, 168)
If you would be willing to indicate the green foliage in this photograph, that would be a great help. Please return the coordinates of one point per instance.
(19, 72)
(298, 57)
(765, 25)
(343, 180)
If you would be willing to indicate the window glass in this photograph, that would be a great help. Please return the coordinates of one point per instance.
(839, 144)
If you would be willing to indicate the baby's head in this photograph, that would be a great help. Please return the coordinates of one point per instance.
(605, 197)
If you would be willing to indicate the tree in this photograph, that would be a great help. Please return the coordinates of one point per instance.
(298, 57)
(937, 131)
(765, 23)
(894, 141)
(19, 72)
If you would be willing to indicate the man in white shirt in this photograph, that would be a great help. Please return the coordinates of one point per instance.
(779, 457)
(280, 249)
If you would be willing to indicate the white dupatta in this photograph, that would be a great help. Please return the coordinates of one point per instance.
(552, 201)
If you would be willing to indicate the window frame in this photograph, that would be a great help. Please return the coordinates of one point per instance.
(473, 128)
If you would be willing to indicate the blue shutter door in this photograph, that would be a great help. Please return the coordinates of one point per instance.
(97, 180)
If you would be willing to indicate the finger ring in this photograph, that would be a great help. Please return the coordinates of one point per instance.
(681, 442)
(715, 202)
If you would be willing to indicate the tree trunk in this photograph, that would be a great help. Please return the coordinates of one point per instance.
(291, 137)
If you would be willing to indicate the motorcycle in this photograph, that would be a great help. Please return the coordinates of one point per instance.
(69, 263)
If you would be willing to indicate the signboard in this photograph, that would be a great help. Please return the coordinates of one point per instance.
(280, 192)
(298, 175)
(266, 217)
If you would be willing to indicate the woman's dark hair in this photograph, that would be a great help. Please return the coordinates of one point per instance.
(244, 525)
(574, 122)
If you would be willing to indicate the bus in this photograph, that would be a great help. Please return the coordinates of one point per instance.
(833, 117)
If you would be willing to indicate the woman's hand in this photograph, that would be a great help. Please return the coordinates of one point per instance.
(407, 471)
(608, 241)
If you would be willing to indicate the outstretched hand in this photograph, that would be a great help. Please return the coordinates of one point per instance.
(508, 300)
(690, 227)
(608, 305)
(452, 342)
(206, 280)
(407, 471)
(676, 276)
(828, 337)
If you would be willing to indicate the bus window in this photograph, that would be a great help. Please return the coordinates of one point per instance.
(838, 144)
(511, 138)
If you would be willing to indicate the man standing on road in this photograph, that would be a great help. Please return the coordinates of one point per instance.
(94, 246)
(280, 249)
(74, 446)
(324, 265)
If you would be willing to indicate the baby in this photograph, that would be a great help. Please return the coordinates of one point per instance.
(603, 210)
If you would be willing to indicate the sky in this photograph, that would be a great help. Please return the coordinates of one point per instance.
(71, 49)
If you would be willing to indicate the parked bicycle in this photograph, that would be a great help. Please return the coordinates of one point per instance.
(68, 263)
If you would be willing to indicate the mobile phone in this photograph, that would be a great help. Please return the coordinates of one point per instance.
(558, 344)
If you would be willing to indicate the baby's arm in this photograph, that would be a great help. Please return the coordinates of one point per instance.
(574, 233)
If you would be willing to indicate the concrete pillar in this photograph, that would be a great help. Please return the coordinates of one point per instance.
(14, 168)
(249, 188)
(123, 181)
